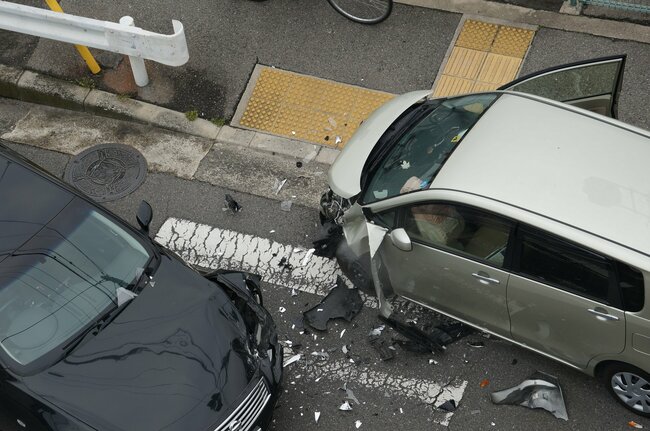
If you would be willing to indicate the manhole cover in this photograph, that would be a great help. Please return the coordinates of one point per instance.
(107, 172)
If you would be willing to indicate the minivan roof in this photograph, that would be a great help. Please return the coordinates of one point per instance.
(560, 162)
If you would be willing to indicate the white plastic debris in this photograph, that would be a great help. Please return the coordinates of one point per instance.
(291, 360)
(433, 361)
(377, 331)
(279, 184)
(401, 410)
(294, 292)
(346, 407)
(357, 424)
(323, 355)
(310, 252)
(342, 332)
(282, 309)
(337, 141)
(344, 349)
(405, 164)
(286, 205)
(272, 231)
(124, 296)
(316, 416)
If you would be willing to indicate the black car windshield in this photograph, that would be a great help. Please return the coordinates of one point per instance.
(63, 278)
(417, 156)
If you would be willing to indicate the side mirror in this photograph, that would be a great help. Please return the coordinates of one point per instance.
(400, 239)
(144, 215)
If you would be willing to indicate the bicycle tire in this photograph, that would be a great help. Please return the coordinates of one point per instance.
(379, 10)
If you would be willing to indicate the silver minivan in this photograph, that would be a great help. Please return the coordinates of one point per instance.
(524, 212)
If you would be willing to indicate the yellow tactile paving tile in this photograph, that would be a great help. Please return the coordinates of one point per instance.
(512, 41)
(499, 69)
(484, 57)
(307, 108)
(452, 85)
(477, 35)
(465, 63)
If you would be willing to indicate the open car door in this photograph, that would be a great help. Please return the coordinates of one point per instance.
(592, 85)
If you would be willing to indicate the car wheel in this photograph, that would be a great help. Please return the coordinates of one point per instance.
(630, 386)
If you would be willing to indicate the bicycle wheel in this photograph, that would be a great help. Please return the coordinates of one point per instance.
(363, 11)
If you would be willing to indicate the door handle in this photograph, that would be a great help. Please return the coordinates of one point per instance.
(602, 316)
(485, 279)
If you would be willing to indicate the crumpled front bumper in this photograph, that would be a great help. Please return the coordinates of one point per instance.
(244, 290)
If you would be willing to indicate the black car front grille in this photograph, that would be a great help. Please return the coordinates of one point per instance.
(245, 415)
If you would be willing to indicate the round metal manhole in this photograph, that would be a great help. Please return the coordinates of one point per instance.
(107, 172)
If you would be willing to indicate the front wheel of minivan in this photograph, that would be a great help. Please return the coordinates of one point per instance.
(630, 386)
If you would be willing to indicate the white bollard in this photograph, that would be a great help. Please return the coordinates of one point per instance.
(137, 63)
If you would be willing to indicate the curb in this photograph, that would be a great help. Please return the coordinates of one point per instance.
(42, 89)
(542, 18)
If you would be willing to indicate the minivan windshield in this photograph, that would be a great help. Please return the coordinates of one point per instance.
(63, 278)
(417, 156)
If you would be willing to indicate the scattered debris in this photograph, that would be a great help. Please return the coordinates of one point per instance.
(294, 292)
(346, 407)
(433, 361)
(418, 340)
(328, 240)
(349, 395)
(357, 424)
(286, 205)
(474, 412)
(382, 347)
(340, 302)
(337, 141)
(298, 164)
(342, 332)
(231, 204)
(282, 309)
(322, 355)
(484, 383)
(448, 406)
(284, 263)
(633, 424)
(476, 344)
(307, 256)
(291, 360)
(278, 185)
(316, 416)
(539, 391)
(272, 231)
(377, 331)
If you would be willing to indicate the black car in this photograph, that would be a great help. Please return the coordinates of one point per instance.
(102, 328)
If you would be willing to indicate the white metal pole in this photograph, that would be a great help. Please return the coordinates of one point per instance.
(137, 63)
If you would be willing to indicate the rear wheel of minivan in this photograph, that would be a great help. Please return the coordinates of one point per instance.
(630, 386)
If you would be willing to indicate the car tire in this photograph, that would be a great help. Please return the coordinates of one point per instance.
(630, 386)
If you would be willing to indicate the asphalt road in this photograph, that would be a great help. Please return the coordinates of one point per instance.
(409, 382)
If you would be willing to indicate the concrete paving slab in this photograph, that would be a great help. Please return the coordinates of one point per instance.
(235, 136)
(165, 151)
(287, 147)
(327, 155)
(258, 173)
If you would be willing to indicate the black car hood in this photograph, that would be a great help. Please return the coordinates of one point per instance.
(177, 358)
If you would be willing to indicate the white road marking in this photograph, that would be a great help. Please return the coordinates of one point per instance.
(211, 247)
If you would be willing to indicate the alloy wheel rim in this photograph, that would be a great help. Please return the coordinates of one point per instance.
(633, 390)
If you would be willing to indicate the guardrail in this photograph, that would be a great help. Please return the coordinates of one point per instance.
(122, 37)
(642, 6)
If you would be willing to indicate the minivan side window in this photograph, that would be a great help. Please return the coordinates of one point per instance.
(566, 266)
(630, 281)
(460, 229)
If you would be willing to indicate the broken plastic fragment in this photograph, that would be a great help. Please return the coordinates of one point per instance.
(338, 140)
(294, 292)
(307, 256)
(357, 424)
(124, 296)
(418, 340)
(291, 360)
(448, 406)
(279, 184)
(322, 355)
(282, 309)
(484, 383)
(232, 204)
(539, 391)
(340, 302)
(342, 332)
(316, 416)
(376, 332)
(286, 205)
(349, 395)
(346, 407)
(382, 347)
(633, 424)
